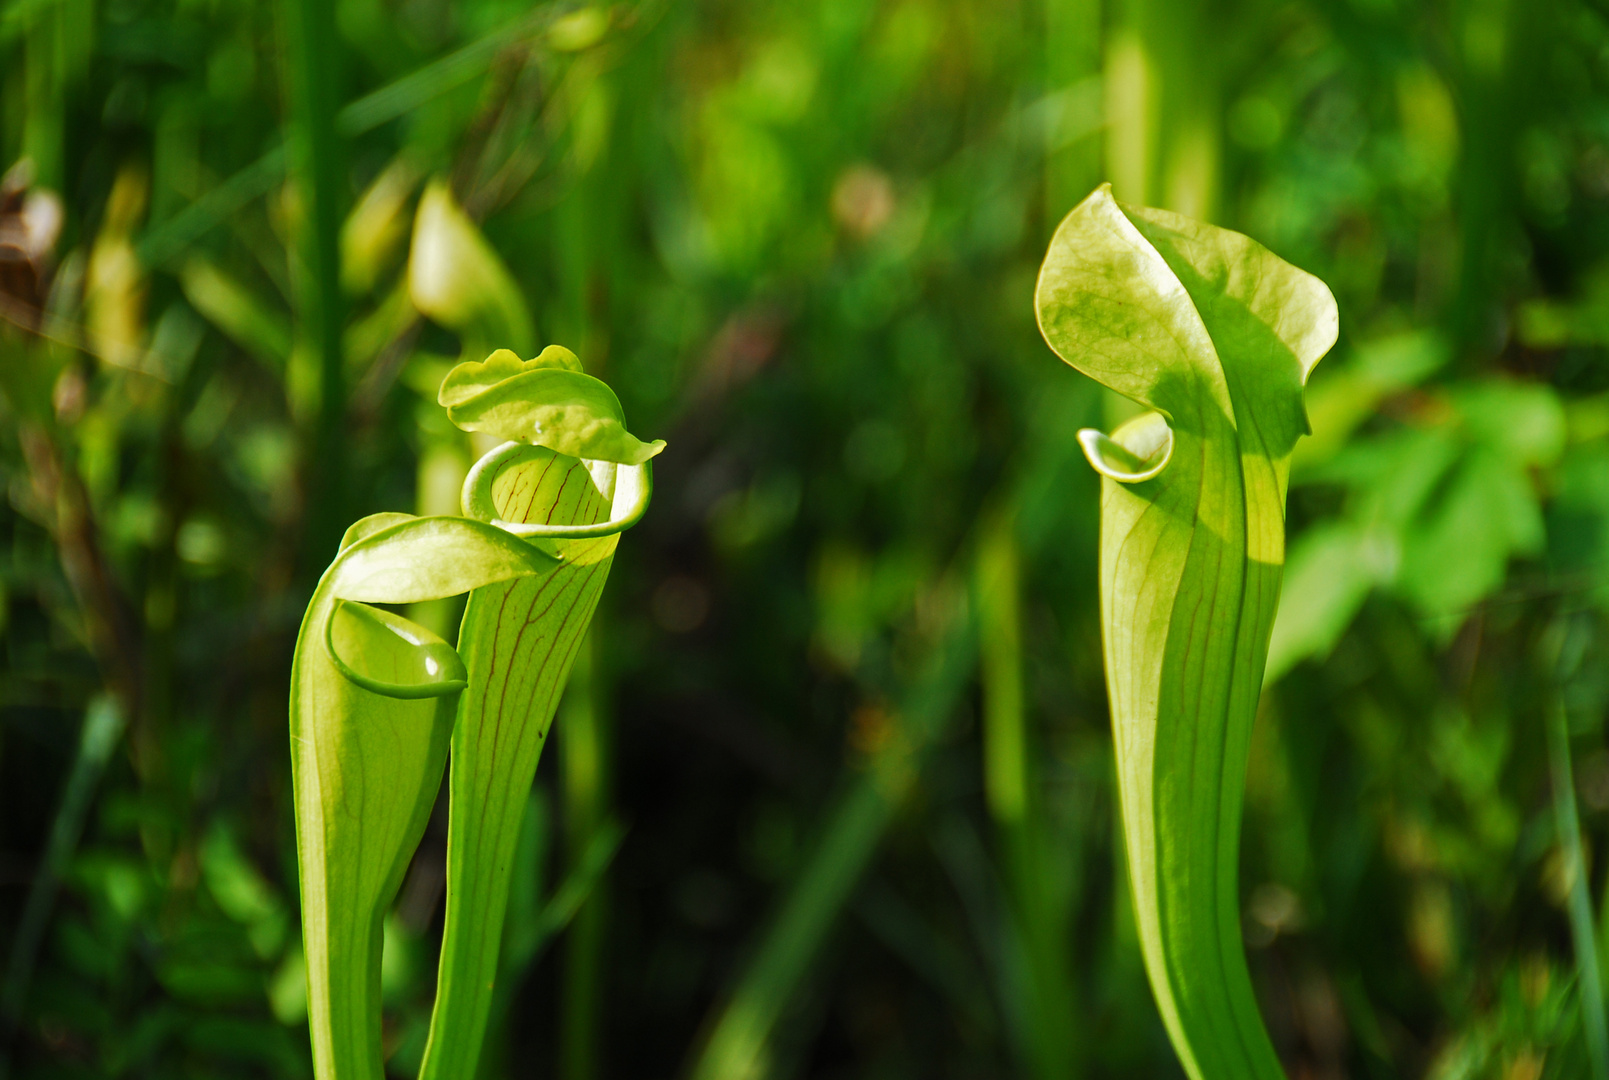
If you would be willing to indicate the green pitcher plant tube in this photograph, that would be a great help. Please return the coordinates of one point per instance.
(1215, 337)
(377, 701)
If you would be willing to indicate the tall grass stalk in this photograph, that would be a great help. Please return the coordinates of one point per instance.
(1049, 1027)
(739, 1045)
(1568, 822)
(312, 60)
(1072, 54)
(583, 743)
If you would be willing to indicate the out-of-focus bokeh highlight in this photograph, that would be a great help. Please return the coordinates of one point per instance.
(831, 791)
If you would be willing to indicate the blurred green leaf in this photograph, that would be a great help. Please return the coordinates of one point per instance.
(455, 278)
(1328, 574)
(245, 320)
(375, 229)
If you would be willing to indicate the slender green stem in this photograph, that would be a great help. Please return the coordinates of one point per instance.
(1581, 928)
(44, 125)
(1005, 753)
(1049, 1025)
(584, 731)
(738, 1047)
(1072, 54)
(313, 63)
(1162, 135)
(584, 745)
(739, 1043)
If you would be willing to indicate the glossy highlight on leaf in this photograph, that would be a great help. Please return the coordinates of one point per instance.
(1217, 335)
(383, 652)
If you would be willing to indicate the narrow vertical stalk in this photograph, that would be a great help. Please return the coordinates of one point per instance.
(1163, 141)
(1580, 905)
(1131, 111)
(1005, 754)
(581, 225)
(1072, 55)
(312, 61)
(44, 123)
(584, 748)
(1049, 1028)
(739, 1045)
(519, 641)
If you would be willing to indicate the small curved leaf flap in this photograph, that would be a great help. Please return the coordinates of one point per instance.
(383, 652)
(363, 528)
(1135, 452)
(633, 489)
(566, 411)
(468, 379)
(432, 557)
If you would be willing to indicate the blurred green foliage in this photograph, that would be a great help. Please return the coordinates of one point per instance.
(800, 240)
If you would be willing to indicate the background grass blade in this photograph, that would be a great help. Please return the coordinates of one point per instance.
(1570, 647)
(1039, 905)
(738, 1046)
(584, 738)
(315, 65)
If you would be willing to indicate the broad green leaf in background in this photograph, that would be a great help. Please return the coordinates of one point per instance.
(1340, 401)
(1215, 335)
(1579, 522)
(1435, 512)
(1329, 574)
